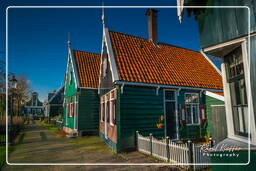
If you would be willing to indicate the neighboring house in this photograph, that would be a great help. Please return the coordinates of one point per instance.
(34, 106)
(81, 99)
(228, 34)
(54, 104)
(152, 87)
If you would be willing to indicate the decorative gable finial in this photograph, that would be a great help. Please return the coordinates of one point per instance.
(103, 15)
(69, 43)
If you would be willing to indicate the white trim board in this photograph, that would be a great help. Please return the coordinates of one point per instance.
(111, 58)
(214, 95)
(165, 86)
(207, 58)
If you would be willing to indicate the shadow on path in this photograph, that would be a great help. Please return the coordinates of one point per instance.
(43, 136)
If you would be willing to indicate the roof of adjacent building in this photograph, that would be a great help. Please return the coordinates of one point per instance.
(88, 68)
(139, 60)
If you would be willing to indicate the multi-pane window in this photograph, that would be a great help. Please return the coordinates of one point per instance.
(192, 108)
(113, 107)
(236, 80)
(108, 107)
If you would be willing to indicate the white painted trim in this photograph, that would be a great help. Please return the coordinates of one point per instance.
(55, 94)
(228, 106)
(216, 96)
(251, 117)
(165, 86)
(77, 83)
(192, 117)
(101, 62)
(111, 56)
(214, 66)
(228, 43)
(176, 112)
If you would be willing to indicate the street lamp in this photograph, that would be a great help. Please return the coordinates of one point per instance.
(12, 86)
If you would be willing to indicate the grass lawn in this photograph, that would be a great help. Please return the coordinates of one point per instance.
(2, 155)
(50, 126)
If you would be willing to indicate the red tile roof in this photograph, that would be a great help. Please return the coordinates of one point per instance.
(139, 60)
(88, 67)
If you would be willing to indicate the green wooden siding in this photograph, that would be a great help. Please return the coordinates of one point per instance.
(140, 109)
(210, 101)
(226, 24)
(69, 94)
(88, 109)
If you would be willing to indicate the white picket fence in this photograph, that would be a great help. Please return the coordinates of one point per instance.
(170, 151)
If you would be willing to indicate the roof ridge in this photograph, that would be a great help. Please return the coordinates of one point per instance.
(163, 43)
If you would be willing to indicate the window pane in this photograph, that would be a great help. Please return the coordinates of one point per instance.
(195, 114)
(188, 114)
(195, 98)
(188, 98)
(169, 95)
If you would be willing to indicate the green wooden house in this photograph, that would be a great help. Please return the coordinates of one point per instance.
(230, 34)
(53, 107)
(153, 87)
(81, 99)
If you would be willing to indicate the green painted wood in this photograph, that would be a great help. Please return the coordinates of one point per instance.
(210, 101)
(70, 93)
(88, 109)
(220, 25)
(140, 109)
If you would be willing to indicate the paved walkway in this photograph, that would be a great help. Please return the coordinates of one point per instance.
(39, 145)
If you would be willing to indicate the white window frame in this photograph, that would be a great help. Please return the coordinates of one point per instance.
(102, 109)
(111, 107)
(191, 109)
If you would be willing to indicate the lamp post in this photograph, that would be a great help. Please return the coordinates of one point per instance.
(12, 87)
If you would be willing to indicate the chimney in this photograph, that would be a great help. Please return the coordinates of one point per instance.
(152, 24)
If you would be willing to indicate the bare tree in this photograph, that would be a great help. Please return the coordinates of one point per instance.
(22, 93)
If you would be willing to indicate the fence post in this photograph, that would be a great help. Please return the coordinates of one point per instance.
(211, 142)
(151, 143)
(190, 154)
(167, 148)
(137, 140)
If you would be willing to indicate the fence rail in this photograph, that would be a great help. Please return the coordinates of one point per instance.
(180, 153)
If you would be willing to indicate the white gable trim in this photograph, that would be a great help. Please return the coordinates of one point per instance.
(77, 84)
(216, 96)
(214, 66)
(111, 58)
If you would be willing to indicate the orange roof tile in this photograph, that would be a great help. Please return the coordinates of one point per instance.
(139, 60)
(88, 67)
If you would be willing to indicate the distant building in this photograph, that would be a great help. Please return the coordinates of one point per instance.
(34, 106)
(54, 104)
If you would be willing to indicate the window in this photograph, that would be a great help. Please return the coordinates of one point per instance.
(102, 109)
(113, 107)
(236, 80)
(192, 108)
(108, 107)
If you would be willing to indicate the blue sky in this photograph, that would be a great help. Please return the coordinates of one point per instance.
(38, 37)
